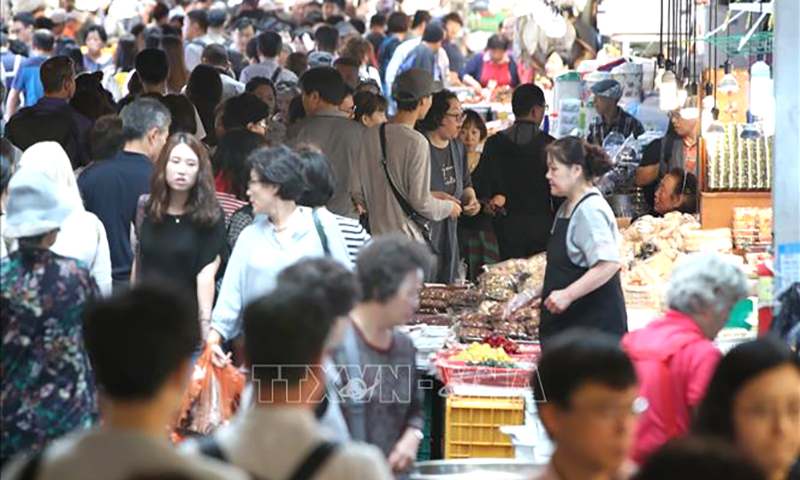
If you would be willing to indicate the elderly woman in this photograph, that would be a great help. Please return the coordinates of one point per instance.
(47, 383)
(674, 355)
(493, 65)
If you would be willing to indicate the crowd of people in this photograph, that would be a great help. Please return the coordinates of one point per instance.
(197, 177)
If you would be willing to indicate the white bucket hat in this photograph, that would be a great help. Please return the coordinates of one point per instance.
(34, 205)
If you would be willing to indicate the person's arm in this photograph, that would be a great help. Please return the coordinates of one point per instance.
(646, 175)
(405, 450)
(101, 268)
(225, 316)
(470, 202)
(355, 181)
(648, 169)
(472, 73)
(12, 104)
(205, 293)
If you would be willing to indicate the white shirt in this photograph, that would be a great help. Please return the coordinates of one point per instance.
(270, 442)
(230, 87)
(592, 235)
(104, 454)
(82, 236)
(397, 60)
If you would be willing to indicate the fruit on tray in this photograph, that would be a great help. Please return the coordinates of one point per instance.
(496, 340)
(482, 352)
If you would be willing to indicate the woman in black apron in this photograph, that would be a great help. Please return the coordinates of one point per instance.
(582, 283)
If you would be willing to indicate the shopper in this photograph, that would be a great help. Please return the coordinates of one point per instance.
(178, 76)
(370, 108)
(328, 128)
(425, 56)
(27, 87)
(124, 58)
(396, 30)
(361, 49)
(517, 158)
(677, 149)
(610, 117)
(279, 435)
(111, 189)
(246, 111)
(205, 91)
(320, 187)
(52, 118)
(276, 240)
(407, 167)
(231, 168)
(195, 33)
(477, 242)
(141, 343)
(82, 235)
(753, 402)
(390, 271)
(582, 280)
(494, 65)
(182, 113)
(453, 27)
(699, 459)
(450, 179)
(96, 59)
(182, 235)
(586, 392)
(676, 350)
(377, 32)
(676, 192)
(47, 383)
(270, 45)
(216, 56)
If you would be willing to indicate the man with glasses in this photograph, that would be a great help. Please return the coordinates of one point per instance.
(516, 157)
(587, 394)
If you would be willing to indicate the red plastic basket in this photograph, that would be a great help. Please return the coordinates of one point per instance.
(457, 372)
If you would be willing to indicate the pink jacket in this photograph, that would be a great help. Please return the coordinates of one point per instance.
(674, 362)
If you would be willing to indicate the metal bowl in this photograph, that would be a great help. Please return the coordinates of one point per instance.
(476, 469)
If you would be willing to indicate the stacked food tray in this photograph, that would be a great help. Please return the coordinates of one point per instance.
(752, 229)
(740, 164)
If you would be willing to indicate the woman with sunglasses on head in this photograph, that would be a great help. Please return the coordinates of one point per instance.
(182, 234)
(450, 178)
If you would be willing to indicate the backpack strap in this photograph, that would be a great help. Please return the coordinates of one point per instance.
(276, 75)
(31, 468)
(356, 410)
(209, 447)
(314, 461)
(321, 233)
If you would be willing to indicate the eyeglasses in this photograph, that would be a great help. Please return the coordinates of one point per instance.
(459, 117)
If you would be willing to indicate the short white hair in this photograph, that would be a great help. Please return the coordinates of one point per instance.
(706, 283)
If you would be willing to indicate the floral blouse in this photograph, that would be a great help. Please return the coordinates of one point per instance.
(48, 387)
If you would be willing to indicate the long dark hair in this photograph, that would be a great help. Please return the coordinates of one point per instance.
(126, 53)
(205, 91)
(202, 206)
(740, 366)
(230, 158)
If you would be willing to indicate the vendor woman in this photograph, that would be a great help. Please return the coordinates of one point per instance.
(582, 281)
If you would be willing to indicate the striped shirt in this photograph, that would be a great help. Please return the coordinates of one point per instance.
(625, 124)
(229, 204)
(355, 236)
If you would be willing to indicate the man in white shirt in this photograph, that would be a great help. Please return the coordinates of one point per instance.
(400, 55)
(216, 55)
(287, 334)
(270, 45)
(140, 343)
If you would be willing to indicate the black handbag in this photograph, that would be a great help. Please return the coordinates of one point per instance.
(421, 222)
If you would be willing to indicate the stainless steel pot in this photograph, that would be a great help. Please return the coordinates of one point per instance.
(476, 469)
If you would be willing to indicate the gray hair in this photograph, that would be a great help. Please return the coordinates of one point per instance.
(706, 283)
(143, 115)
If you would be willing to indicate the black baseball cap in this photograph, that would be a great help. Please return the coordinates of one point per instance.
(413, 85)
(434, 33)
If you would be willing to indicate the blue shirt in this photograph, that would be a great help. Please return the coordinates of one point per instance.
(28, 82)
(259, 256)
(111, 190)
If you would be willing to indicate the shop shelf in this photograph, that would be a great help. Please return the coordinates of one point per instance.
(472, 426)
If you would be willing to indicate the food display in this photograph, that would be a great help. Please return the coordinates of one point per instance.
(439, 299)
(483, 354)
(752, 229)
(504, 280)
(736, 163)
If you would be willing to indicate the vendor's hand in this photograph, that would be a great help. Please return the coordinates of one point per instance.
(472, 208)
(218, 357)
(360, 210)
(445, 196)
(404, 454)
(558, 301)
(519, 301)
(456, 211)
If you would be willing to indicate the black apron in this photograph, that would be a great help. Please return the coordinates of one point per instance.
(603, 309)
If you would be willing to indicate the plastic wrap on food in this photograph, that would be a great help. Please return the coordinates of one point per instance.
(499, 286)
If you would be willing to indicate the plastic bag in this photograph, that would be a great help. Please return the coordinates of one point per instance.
(212, 398)
(787, 322)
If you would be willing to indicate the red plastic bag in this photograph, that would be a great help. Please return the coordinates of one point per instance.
(212, 397)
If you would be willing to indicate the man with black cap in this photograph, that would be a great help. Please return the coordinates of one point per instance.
(610, 117)
(392, 179)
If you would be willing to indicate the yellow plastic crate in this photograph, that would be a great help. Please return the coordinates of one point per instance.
(472, 426)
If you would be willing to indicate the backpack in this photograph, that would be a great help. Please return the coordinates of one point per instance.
(31, 125)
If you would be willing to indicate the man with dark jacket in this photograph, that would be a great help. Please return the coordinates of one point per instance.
(517, 157)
